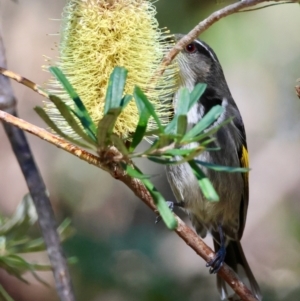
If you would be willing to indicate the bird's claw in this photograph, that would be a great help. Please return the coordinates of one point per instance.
(216, 263)
(171, 205)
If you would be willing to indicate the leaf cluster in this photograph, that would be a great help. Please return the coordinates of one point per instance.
(174, 143)
(15, 241)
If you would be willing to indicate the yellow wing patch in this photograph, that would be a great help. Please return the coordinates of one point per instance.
(245, 163)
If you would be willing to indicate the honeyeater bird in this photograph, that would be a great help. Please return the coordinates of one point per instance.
(225, 219)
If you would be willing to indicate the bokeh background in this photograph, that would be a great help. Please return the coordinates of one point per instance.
(122, 254)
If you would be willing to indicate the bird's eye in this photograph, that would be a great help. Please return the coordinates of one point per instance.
(190, 48)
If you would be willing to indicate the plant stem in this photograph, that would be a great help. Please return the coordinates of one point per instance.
(36, 188)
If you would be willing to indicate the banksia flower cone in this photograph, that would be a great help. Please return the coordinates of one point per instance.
(98, 35)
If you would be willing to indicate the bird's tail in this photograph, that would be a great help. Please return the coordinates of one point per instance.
(235, 258)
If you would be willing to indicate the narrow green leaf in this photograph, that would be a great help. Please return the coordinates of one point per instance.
(63, 80)
(161, 160)
(80, 110)
(154, 132)
(195, 153)
(161, 205)
(139, 96)
(86, 122)
(208, 133)
(106, 126)
(181, 125)
(125, 101)
(166, 139)
(22, 266)
(134, 172)
(4, 295)
(197, 93)
(142, 124)
(40, 111)
(178, 152)
(205, 122)
(115, 89)
(138, 136)
(65, 111)
(171, 126)
(207, 188)
(221, 168)
(182, 106)
(23, 218)
(186, 103)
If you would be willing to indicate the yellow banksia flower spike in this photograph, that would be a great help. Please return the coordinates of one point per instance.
(98, 35)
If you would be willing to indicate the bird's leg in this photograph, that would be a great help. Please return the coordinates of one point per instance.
(216, 263)
(171, 205)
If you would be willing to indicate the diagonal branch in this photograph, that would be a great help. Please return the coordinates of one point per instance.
(36, 188)
(185, 232)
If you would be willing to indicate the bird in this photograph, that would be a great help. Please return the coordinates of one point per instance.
(224, 220)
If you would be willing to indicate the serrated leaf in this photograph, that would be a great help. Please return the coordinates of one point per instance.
(80, 110)
(221, 168)
(139, 96)
(206, 187)
(106, 126)
(43, 115)
(205, 122)
(115, 89)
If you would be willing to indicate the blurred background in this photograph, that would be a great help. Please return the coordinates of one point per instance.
(122, 254)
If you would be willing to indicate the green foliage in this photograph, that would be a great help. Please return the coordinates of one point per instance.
(80, 111)
(159, 200)
(14, 241)
(173, 144)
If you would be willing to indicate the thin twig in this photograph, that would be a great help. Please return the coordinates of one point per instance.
(186, 233)
(24, 81)
(265, 6)
(36, 188)
(205, 24)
